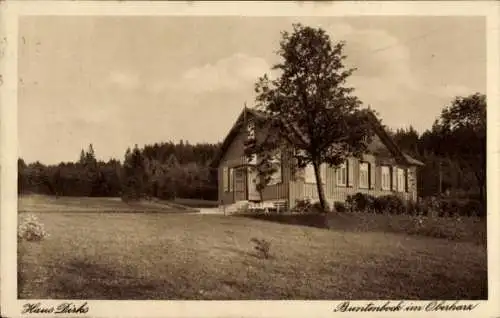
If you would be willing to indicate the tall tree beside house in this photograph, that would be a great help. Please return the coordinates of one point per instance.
(309, 107)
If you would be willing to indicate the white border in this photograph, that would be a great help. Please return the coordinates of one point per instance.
(11, 11)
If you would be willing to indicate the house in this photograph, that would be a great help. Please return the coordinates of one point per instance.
(384, 169)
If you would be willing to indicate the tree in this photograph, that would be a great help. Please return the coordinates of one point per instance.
(407, 140)
(308, 108)
(90, 155)
(134, 175)
(462, 131)
(82, 157)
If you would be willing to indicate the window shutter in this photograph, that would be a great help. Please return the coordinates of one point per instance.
(231, 178)
(371, 169)
(406, 179)
(340, 172)
(394, 174)
(280, 171)
(350, 172)
(224, 178)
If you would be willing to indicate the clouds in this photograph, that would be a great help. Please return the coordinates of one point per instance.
(380, 58)
(387, 79)
(387, 76)
(123, 79)
(231, 73)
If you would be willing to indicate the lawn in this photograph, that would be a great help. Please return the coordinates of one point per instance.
(125, 255)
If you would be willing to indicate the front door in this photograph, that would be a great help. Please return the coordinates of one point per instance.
(253, 194)
(239, 184)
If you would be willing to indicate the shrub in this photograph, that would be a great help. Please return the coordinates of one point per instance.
(361, 202)
(449, 207)
(429, 206)
(302, 206)
(305, 206)
(262, 247)
(412, 208)
(30, 229)
(316, 208)
(391, 204)
(340, 207)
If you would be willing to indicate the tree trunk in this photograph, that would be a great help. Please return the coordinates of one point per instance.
(319, 184)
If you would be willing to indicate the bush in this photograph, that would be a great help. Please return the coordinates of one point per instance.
(361, 202)
(413, 208)
(390, 204)
(450, 207)
(316, 208)
(340, 207)
(429, 206)
(30, 229)
(302, 206)
(305, 206)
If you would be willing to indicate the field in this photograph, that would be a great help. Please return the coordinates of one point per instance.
(98, 249)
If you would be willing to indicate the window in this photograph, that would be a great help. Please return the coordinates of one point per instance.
(386, 177)
(401, 180)
(341, 174)
(276, 177)
(364, 175)
(310, 176)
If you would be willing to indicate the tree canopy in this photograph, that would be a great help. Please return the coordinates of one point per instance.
(308, 108)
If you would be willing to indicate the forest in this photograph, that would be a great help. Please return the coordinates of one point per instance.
(162, 170)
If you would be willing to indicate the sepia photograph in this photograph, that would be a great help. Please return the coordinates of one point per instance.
(247, 157)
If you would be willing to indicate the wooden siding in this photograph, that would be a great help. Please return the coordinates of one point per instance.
(235, 156)
(300, 190)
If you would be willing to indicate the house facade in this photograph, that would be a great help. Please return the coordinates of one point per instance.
(383, 170)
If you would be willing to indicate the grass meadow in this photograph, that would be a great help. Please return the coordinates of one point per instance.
(106, 249)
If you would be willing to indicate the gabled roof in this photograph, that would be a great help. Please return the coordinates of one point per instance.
(376, 125)
(233, 133)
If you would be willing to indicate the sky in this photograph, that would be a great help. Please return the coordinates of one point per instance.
(120, 81)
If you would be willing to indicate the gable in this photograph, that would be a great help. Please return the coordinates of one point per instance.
(236, 148)
(233, 144)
